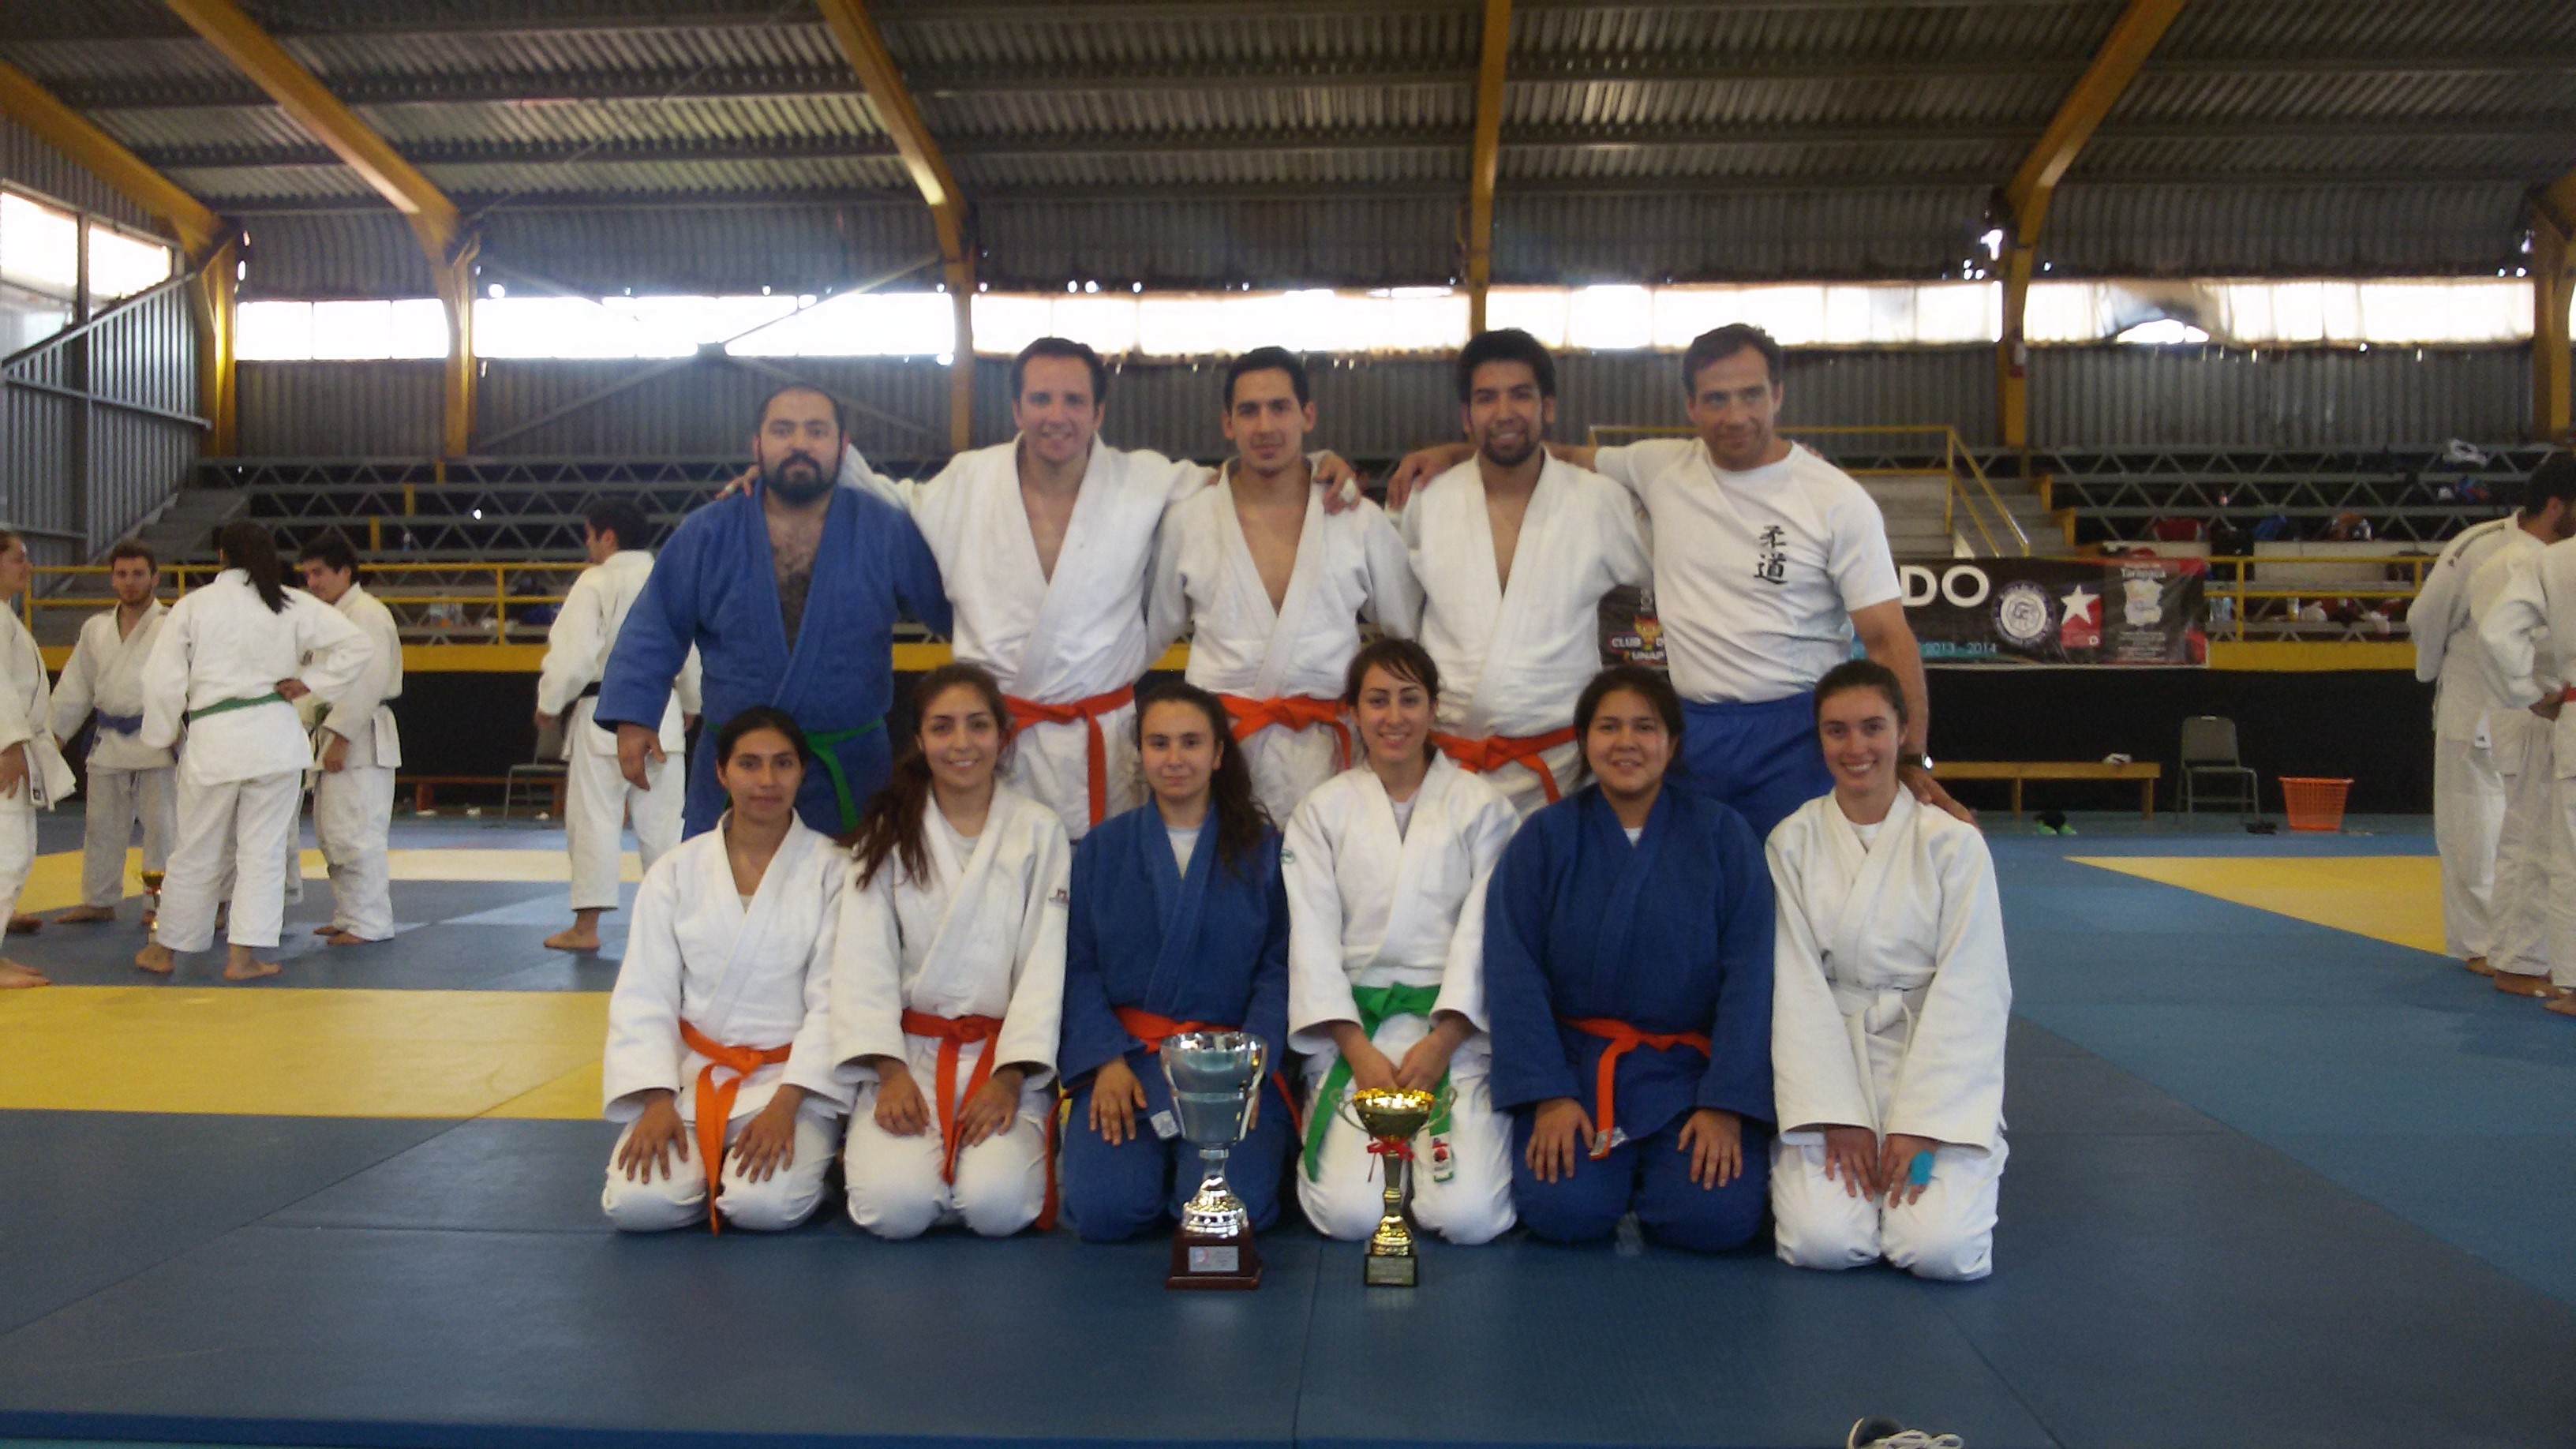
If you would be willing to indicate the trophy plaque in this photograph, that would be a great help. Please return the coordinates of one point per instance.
(1392, 1116)
(1215, 1078)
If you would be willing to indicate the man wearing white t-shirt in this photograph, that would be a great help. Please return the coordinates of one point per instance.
(1768, 560)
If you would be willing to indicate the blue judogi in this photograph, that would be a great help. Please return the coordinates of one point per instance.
(1670, 935)
(1764, 760)
(1210, 946)
(715, 586)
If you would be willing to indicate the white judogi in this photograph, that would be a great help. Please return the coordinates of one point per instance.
(128, 780)
(26, 718)
(1756, 573)
(983, 935)
(240, 772)
(753, 974)
(1066, 640)
(2468, 788)
(597, 798)
(1372, 902)
(1889, 1002)
(353, 806)
(1513, 661)
(1349, 564)
(2520, 625)
(2519, 909)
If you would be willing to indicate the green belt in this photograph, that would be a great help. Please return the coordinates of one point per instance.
(223, 706)
(1376, 1005)
(822, 745)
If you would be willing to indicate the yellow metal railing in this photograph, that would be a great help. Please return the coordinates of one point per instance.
(2241, 595)
(1959, 470)
(434, 586)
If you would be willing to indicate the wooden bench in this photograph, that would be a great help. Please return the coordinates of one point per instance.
(424, 788)
(2145, 772)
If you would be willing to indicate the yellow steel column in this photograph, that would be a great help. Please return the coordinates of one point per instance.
(455, 281)
(434, 219)
(214, 295)
(855, 32)
(1492, 63)
(961, 370)
(2025, 200)
(2553, 289)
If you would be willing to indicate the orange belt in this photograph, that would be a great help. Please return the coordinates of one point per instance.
(1291, 711)
(715, 1099)
(955, 1032)
(1480, 756)
(1150, 1029)
(1027, 712)
(1623, 1039)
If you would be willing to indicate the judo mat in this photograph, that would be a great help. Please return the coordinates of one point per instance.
(2279, 1178)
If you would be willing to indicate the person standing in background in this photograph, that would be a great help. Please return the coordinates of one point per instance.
(129, 782)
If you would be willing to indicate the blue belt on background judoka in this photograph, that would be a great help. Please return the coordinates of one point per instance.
(123, 724)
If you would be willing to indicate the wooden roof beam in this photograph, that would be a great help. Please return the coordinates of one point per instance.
(2025, 198)
(1484, 163)
(855, 32)
(435, 220)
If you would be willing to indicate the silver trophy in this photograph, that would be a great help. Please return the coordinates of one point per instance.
(1215, 1078)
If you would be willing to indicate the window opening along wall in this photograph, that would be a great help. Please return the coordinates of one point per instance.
(2455, 312)
(40, 266)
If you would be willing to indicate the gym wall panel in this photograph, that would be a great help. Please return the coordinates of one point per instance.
(2291, 398)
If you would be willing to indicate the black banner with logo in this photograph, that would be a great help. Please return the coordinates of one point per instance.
(2143, 611)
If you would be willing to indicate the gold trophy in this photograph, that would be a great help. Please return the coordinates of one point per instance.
(1392, 1115)
(151, 903)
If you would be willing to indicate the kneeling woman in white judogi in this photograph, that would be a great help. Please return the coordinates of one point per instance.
(948, 982)
(719, 1032)
(1889, 1004)
(1386, 865)
(231, 660)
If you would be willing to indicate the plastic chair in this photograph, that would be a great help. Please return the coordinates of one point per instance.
(2209, 749)
(542, 773)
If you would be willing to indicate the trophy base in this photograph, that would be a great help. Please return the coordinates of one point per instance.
(1392, 1270)
(1226, 1262)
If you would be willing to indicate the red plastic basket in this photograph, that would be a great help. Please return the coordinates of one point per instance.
(2314, 804)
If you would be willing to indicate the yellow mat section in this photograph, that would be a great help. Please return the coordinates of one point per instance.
(303, 1053)
(54, 884)
(2394, 898)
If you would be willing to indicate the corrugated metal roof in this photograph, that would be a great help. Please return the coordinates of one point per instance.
(1736, 235)
(2283, 230)
(30, 162)
(1650, 109)
(2283, 27)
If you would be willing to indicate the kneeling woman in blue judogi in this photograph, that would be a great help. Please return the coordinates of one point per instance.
(1890, 1006)
(719, 1038)
(1628, 974)
(1178, 923)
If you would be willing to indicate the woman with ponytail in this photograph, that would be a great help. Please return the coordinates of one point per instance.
(948, 977)
(1179, 923)
(226, 669)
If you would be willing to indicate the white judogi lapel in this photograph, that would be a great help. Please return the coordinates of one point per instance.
(756, 975)
(105, 673)
(979, 936)
(26, 713)
(1513, 661)
(1891, 991)
(1370, 907)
